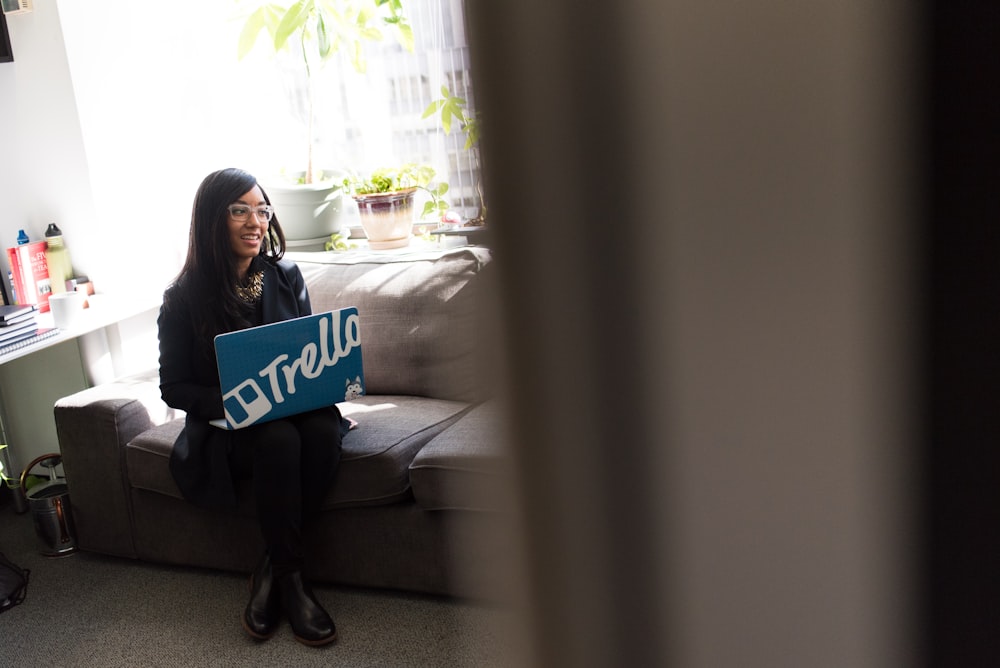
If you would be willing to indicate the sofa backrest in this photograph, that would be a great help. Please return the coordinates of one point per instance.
(425, 316)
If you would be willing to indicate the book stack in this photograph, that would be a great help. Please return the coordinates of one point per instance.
(18, 326)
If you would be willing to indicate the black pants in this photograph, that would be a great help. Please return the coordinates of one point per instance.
(291, 463)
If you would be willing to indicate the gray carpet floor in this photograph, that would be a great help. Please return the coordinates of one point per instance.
(90, 610)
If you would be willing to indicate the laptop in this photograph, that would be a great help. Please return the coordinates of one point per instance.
(289, 367)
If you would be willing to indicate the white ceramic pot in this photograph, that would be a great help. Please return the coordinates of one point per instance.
(387, 218)
(308, 213)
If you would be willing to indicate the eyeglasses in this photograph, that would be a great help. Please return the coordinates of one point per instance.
(241, 212)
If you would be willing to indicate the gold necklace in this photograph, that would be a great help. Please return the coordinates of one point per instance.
(254, 288)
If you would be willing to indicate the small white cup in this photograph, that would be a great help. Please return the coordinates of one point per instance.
(66, 307)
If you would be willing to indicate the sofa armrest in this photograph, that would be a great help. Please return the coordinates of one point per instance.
(93, 426)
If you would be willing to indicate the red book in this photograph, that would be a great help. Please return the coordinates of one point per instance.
(31, 274)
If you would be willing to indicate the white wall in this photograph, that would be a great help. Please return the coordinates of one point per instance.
(111, 145)
(44, 164)
(155, 126)
(121, 112)
(45, 176)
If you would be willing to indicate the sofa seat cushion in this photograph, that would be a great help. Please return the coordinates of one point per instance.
(375, 459)
(466, 467)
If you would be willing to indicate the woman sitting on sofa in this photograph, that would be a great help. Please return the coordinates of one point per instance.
(233, 278)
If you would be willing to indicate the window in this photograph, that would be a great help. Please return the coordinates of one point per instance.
(163, 100)
(374, 119)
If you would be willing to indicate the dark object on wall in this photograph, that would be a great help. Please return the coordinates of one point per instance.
(6, 55)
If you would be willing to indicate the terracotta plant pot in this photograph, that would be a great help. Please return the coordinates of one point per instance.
(387, 218)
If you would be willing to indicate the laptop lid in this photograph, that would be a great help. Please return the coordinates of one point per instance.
(289, 367)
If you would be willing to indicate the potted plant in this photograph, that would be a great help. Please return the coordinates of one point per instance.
(308, 201)
(453, 108)
(385, 202)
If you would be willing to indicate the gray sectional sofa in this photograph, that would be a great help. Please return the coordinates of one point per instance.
(417, 502)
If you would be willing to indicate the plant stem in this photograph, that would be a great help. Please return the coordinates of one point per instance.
(309, 121)
(481, 218)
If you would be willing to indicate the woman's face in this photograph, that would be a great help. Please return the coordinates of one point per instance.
(247, 228)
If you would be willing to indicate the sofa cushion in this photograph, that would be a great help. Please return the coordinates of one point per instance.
(147, 459)
(374, 466)
(375, 461)
(465, 467)
(423, 318)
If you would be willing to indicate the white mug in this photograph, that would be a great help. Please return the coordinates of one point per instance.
(66, 308)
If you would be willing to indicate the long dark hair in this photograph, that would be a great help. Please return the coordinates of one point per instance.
(209, 275)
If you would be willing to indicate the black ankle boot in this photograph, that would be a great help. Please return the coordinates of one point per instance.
(311, 624)
(260, 619)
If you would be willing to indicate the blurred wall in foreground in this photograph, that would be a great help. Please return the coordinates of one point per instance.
(706, 235)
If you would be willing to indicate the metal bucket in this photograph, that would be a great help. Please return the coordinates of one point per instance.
(50, 508)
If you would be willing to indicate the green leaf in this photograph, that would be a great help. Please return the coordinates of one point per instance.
(330, 6)
(336, 243)
(358, 58)
(293, 21)
(433, 108)
(364, 15)
(455, 105)
(322, 36)
(451, 108)
(405, 36)
(424, 174)
(250, 32)
(471, 133)
(452, 99)
(428, 209)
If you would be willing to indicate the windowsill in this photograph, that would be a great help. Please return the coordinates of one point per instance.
(358, 249)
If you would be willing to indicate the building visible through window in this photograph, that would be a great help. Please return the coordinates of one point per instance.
(375, 119)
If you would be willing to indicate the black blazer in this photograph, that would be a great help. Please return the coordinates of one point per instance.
(189, 381)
